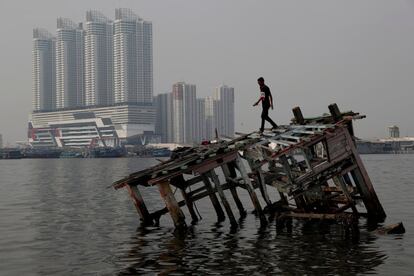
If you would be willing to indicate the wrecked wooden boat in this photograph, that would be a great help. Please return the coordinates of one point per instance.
(312, 163)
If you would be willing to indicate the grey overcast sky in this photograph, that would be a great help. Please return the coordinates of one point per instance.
(358, 54)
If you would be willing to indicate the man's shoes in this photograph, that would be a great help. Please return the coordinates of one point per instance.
(260, 131)
(274, 128)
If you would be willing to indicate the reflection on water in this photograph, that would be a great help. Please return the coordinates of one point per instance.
(311, 248)
(59, 218)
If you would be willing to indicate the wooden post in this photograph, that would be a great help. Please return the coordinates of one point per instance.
(364, 185)
(339, 181)
(299, 200)
(189, 202)
(213, 198)
(251, 191)
(262, 186)
(139, 205)
(298, 115)
(336, 114)
(229, 174)
(223, 198)
(176, 213)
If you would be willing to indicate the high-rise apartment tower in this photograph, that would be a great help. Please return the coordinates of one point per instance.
(133, 72)
(184, 100)
(224, 96)
(69, 64)
(98, 59)
(44, 76)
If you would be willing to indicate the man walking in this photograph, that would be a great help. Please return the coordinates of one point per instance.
(267, 102)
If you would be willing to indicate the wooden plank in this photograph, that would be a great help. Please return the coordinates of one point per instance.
(171, 203)
(341, 183)
(190, 205)
(251, 192)
(213, 198)
(139, 205)
(230, 173)
(223, 198)
(262, 186)
(364, 185)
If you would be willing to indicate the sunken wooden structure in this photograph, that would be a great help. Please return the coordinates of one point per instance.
(312, 164)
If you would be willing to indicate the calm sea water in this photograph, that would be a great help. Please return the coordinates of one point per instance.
(57, 217)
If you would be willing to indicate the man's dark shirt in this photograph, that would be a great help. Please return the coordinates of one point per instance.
(265, 96)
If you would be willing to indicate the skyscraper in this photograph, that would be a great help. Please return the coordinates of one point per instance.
(163, 124)
(224, 96)
(133, 73)
(201, 120)
(184, 113)
(44, 76)
(69, 64)
(210, 112)
(98, 59)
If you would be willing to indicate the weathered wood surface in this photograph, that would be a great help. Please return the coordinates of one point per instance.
(313, 165)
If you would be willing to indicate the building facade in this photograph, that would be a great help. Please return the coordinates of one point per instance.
(184, 102)
(128, 119)
(201, 120)
(98, 59)
(224, 97)
(164, 110)
(133, 73)
(43, 70)
(105, 68)
(80, 132)
(69, 64)
(210, 118)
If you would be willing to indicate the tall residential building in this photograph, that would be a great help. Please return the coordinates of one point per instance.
(133, 72)
(201, 120)
(98, 59)
(184, 113)
(163, 124)
(69, 64)
(43, 70)
(224, 95)
(210, 118)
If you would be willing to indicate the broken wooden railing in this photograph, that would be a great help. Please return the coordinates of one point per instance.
(312, 163)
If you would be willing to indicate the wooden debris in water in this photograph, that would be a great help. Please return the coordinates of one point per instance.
(312, 164)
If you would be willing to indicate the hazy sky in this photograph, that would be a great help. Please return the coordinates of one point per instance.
(358, 54)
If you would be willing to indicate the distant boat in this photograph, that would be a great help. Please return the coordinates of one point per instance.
(102, 152)
(71, 154)
(10, 154)
(42, 153)
(162, 152)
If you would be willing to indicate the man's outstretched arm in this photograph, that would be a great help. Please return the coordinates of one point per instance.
(259, 100)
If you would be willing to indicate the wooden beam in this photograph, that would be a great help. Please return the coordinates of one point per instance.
(336, 114)
(230, 173)
(140, 205)
(190, 205)
(251, 192)
(171, 203)
(223, 198)
(213, 198)
(297, 113)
